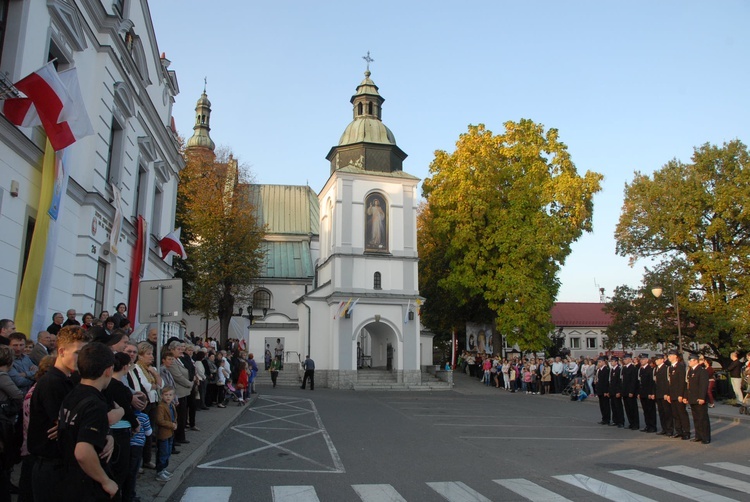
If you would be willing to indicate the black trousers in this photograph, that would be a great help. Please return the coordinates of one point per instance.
(701, 421)
(311, 375)
(47, 476)
(681, 418)
(192, 405)
(605, 409)
(649, 413)
(631, 410)
(665, 416)
(182, 415)
(618, 416)
(558, 382)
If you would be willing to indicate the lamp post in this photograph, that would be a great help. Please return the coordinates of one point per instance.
(657, 291)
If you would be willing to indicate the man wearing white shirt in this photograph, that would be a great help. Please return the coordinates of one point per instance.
(557, 369)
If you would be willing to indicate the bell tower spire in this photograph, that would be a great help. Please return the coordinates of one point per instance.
(367, 143)
(201, 137)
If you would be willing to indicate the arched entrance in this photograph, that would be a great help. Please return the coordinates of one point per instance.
(377, 346)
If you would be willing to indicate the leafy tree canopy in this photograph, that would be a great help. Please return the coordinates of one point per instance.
(502, 212)
(221, 233)
(693, 220)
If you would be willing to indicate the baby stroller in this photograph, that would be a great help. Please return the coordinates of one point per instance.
(745, 404)
(575, 390)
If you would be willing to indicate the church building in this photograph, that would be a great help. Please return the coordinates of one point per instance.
(340, 280)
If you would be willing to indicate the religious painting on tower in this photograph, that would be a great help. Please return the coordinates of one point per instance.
(376, 223)
(479, 338)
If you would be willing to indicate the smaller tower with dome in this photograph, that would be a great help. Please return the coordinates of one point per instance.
(201, 138)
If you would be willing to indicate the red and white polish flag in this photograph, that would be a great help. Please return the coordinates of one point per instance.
(53, 100)
(170, 243)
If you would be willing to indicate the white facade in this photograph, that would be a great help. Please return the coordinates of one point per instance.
(346, 272)
(128, 92)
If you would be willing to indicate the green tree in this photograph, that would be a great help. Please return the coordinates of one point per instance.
(503, 213)
(444, 311)
(221, 233)
(693, 220)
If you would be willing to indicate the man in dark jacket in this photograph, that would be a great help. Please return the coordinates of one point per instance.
(630, 391)
(646, 394)
(696, 395)
(615, 393)
(661, 396)
(601, 384)
(677, 400)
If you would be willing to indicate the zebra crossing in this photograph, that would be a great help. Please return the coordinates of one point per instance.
(669, 486)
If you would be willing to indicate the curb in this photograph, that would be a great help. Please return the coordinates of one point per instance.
(186, 467)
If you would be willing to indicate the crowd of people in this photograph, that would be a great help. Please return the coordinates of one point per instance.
(84, 411)
(665, 386)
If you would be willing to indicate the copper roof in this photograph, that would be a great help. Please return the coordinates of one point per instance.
(584, 315)
(287, 209)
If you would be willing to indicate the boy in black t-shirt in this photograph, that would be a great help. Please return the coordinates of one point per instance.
(83, 428)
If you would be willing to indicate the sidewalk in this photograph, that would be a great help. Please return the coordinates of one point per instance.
(466, 384)
(212, 423)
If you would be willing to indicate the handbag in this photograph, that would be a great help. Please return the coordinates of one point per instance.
(9, 410)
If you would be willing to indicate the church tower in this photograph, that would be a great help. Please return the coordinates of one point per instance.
(201, 140)
(363, 311)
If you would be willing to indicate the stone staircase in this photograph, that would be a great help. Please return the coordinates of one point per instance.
(374, 379)
(288, 377)
(381, 380)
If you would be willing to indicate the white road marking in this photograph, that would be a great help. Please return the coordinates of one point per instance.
(530, 491)
(456, 491)
(294, 494)
(378, 493)
(687, 491)
(203, 493)
(741, 469)
(605, 490)
(709, 477)
(286, 424)
(513, 426)
(526, 438)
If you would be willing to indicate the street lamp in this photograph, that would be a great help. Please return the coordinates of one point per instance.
(657, 291)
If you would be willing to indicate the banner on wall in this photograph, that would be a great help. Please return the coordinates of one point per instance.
(480, 338)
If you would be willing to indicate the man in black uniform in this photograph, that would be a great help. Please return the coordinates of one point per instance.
(615, 393)
(677, 396)
(630, 391)
(601, 384)
(646, 393)
(83, 428)
(661, 396)
(696, 395)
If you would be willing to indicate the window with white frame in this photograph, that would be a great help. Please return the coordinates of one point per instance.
(590, 343)
(575, 343)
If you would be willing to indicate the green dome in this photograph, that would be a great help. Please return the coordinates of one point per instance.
(368, 130)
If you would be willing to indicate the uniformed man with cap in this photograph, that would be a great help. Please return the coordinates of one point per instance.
(661, 396)
(677, 401)
(696, 395)
(630, 391)
(601, 384)
(615, 392)
(646, 393)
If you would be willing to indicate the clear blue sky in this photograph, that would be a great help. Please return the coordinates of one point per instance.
(629, 85)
